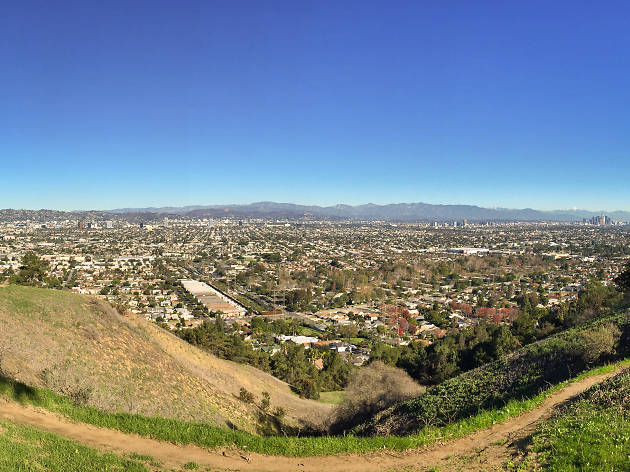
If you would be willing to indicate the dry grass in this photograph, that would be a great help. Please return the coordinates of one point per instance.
(63, 340)
(373, 389)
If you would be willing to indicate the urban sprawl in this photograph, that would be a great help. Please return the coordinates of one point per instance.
(341, 284)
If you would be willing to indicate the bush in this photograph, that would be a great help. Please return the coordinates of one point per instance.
(265, 402)
(599, 342)
(372, 389)
(245, 396)
(61, 380)
(79, 394)
(307, 388)
(279, 413)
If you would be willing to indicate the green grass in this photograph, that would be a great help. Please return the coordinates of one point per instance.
(521, 374)
(23, 448)
(308, 331)
(181, 432)
(27, 301)
(591, 434)
(334, 398)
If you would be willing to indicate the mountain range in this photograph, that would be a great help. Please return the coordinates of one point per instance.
(391, 212)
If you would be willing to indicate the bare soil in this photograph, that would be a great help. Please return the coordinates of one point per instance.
(485, 450)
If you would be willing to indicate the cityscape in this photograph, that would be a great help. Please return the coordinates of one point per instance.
(345, 284)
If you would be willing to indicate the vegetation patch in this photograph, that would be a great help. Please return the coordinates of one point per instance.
(293, 364)
(28, 449)
(519, 375)
(334, 398)
(372, 389)
(593, 433)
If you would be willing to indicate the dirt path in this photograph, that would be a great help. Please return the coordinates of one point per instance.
(174, 456)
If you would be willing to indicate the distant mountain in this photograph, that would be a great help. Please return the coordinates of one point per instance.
(172, 210)
(43, 216)
(395, 212)
(391, 212)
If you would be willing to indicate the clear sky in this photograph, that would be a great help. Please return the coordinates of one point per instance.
(148, 103)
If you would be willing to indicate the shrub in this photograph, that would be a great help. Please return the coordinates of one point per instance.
(61, 380)
(79, 394)
(246, 396)
(599, 342)
(372, 389)
(279, 413)
(265, 402)
(306, 388)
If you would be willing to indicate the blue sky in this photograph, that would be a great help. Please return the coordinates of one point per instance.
(149, 103)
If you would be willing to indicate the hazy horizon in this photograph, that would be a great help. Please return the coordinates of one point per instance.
(137, 207)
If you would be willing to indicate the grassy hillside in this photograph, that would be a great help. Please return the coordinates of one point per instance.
(592, 433)
(180, 432)
(519, 375)
(23, 448)
(75, 345)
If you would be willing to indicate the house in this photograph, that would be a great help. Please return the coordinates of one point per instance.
(271, 349)
(305, 341)
(359, 360)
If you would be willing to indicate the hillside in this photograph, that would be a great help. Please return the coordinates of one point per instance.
(76, 345)
(591, 433)
(66, 341)
(27, 448)
(521, 374)
(489, 445)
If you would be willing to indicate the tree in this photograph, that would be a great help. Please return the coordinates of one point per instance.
(32, 271)
(336, 372)
(623, 279)
(443, 360)
(524, 328)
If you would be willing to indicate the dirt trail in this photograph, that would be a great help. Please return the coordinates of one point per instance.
(174, 456)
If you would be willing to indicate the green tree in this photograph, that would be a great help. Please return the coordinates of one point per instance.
(623, 279)
(443, 360)
(524, 328)
(32, 271)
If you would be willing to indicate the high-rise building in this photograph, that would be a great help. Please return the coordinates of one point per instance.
(602, 220)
